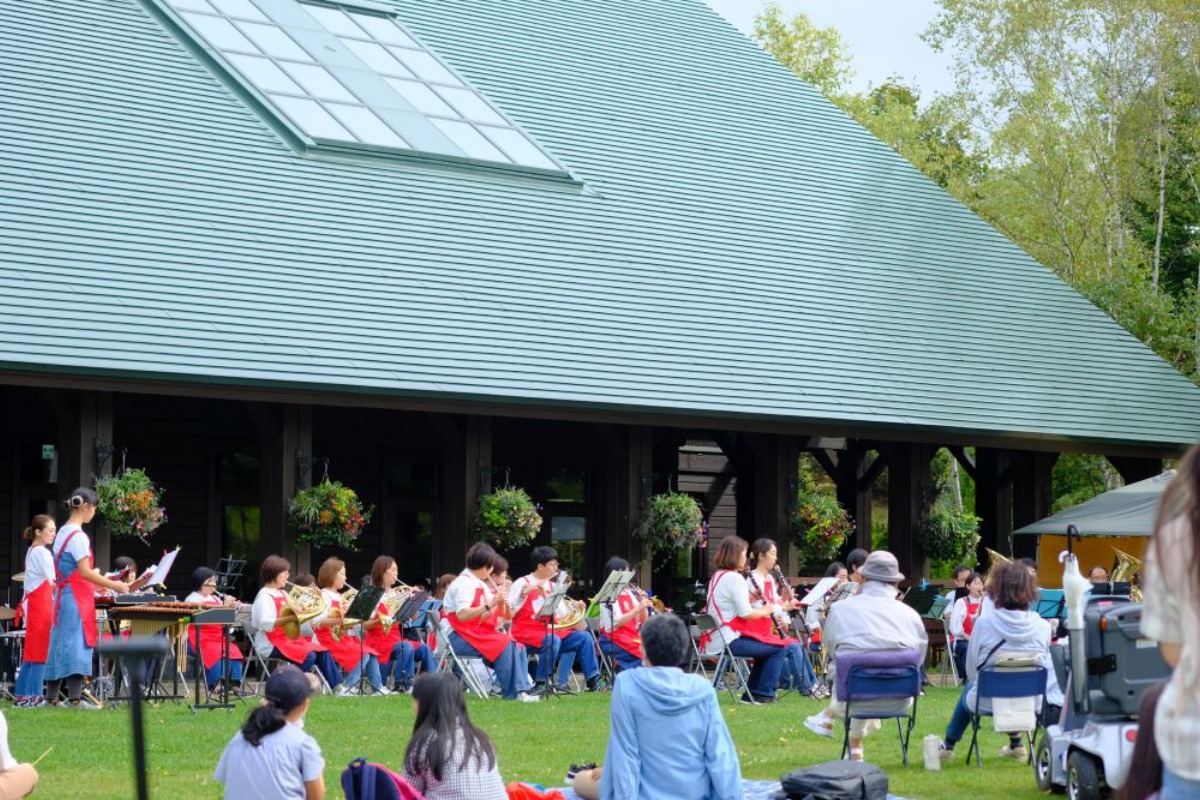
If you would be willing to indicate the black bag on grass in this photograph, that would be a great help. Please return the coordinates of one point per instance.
(836, 780)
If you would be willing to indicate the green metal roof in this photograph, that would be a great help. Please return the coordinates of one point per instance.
(737, 246)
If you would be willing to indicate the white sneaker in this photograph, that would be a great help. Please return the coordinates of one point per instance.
(525, 697)
(343, 691)
(1018, 753)
(383, 690)
(819, 724)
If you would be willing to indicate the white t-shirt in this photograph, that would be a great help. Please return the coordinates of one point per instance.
(464, 591)
(80, 546)
(275, 770)
(515, 600)
(39, 568)
(262, 617)
(622, 605)
(729, 598)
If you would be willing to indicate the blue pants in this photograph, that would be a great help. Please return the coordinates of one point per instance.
(505, 665)
(577, 645)
(768, 664)
(624, 658)
(960, 658)
(228, 669)
(405, 656)
(547, 657)
(960, 719)
(797, 670)
(1176, 787)
(322, 660)
(30, 679)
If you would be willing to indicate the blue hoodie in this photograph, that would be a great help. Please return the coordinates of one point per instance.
(668, 740)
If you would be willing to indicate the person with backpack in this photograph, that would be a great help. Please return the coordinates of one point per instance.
(448, 758)
(271, 757)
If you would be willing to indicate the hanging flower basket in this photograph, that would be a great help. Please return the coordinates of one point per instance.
(671, 522)
(948, 534)
(328, 514)
(130, 504)
(822, 527)
(507, 518)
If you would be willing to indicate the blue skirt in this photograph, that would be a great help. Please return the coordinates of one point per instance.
(68, 655)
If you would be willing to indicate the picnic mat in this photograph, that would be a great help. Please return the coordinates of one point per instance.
(751, 790)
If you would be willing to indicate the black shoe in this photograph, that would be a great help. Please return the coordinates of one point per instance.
(538, 689)
(596, 684)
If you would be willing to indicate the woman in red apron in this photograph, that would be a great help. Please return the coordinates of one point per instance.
(397, 655)
(621, 622)
(37, 611)
(212, 638)
(270, 641)
(75, 580)
(729, 604)
(351, 654)
(472, 607)
(962, 621)
(798, 672)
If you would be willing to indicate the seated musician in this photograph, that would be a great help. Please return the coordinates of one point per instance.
(211, 638)
(472, 606)
(620, 638)
(764, 591)
(397, 655)
(729, 604)
(526, 598)
(351, 654)
(126, 569)
(270, 641)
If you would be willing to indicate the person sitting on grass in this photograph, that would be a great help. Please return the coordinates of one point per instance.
(271, 757)
(448, 758)
(1009, 626)
(696, 761)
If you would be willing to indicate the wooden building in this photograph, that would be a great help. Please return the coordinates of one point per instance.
(591, 249)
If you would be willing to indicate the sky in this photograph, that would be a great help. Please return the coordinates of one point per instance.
(883, 36)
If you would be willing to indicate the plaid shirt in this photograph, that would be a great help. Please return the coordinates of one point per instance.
(472, 781)
(1171, 613)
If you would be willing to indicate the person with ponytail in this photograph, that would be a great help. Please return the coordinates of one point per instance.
(448, 758)
(73, 635)
(37, 610)
(271, 757)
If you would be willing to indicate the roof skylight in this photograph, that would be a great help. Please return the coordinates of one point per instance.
(344, 75)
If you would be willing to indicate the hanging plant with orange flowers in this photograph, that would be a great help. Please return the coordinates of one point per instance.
(328, 514)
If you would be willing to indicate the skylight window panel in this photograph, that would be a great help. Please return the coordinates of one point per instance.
(312, 118)
(318, 82)
(472, 142)
(365, 125)
(422, 98)
(377, 58)
(264, 74)
(471, 105)
(242, 9)
(335, 21)
(220, 33)
(518, 147)
(384, 30)
(273, 41)
(192, 5)
(425, 66)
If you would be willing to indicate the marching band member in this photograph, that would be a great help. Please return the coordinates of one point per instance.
(619, 637)
(211, 638)
(471, 607)
(797, 670)
(74, 633)
(962, 621)
(527, 597)
(729, 603)
(348, 651)
(397, 655)
(270, 641)
(37, 609)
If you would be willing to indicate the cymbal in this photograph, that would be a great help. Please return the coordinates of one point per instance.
(7, 613)
(19, 577)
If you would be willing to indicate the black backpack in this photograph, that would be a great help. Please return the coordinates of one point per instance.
(836, 780)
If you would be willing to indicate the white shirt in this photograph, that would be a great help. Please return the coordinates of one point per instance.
(729, 599)
(515, 600)
(262, 618)
(606, 615)
(80, 546)
(958, 617)
(39, 568)
(463, 591)
(873, 620)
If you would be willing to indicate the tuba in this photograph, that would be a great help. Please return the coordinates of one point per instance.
(303, 604)
(994, 560)
(1127, 569)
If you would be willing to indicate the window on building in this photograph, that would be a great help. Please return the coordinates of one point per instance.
(352, 75)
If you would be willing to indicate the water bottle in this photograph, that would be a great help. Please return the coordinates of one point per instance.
(932, 748)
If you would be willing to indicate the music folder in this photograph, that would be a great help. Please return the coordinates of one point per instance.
(551, 601)
(365, 603)
(412, 606)
(615, 583)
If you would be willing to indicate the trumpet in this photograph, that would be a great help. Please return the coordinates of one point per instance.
(303, 604)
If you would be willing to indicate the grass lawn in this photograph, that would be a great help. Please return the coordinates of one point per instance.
(93, 756)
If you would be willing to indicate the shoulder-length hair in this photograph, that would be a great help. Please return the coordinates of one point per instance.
(441, 723)
(729, 553)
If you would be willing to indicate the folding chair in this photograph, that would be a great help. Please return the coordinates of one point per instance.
(949, 657)
(882, 683)
(729, 670)
(266, 666)
(992, 683)
(606, 666)
(465, 667)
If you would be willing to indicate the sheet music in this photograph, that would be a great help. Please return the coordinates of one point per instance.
(163, 569)
(819, 591)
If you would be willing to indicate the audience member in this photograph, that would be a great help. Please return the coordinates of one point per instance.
(1144, 778)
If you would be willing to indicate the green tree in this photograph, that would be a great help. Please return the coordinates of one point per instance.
(819, 56)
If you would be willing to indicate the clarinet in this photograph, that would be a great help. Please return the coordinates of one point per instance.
(786, 594)
(774, 619)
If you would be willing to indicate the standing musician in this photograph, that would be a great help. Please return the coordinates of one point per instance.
(351, 654)
(37, 610)
(270, 641)
(217, 665)
(620, 638)
(764, 591)
(526, 598)
(729, 603)
(397, 655)
(962, 621)
(74, 633)
(472, 607)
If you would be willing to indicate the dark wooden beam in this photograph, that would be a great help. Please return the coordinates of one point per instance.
(85, 422)
(626, 480)
(1032, 496)
(965, 461)
(466, 474)
(1133, 470)
(285, 437)
(854, 489)
(993, 502)
(908, 476)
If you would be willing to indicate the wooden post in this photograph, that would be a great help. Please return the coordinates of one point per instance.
(993, 502)
(466, 471)
(773, 464)
(85, 428)
(285, 440)
(855, 473)
(908, 477)
(626, 483)
(1032, 496)
(1133, 470)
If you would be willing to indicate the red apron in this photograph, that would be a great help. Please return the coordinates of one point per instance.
(211, 641)
(82, 590)
(480, 632)
(751, 629)
(39, 618)
(379, 643)
(968, 622)
(293, 649)
(347, 652)
(627, 637)
(527, 629)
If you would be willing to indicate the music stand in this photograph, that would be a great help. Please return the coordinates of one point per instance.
(546, 614)
(229, 571)
(610, 590)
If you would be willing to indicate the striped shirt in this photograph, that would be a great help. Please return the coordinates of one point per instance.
(1171, 613)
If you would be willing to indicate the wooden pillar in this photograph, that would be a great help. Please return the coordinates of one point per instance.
(772, 463)
(908, 477)
(85, 436)
(466, 471)
(628, 465)
(1032, 496)
(855, 472)
(1133, 470)
(993, 502)
(285, 443)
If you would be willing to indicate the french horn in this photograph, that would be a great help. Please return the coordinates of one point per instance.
(303, 604)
